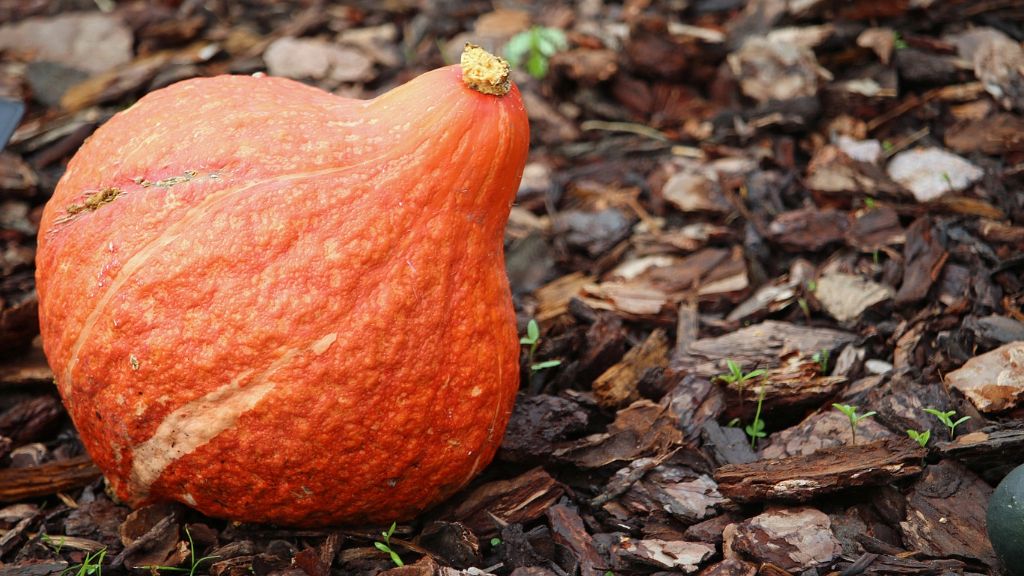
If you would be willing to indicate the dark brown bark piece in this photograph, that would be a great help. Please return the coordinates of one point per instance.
(801, 478)
(452, 543)
(730, 567)
(34, 569)
(875, 228)
(945, 515)
(924, 257)
(567, 530)
(991, 453)
(30, 420)
(318, 561)
(537, 423)
(994, 135)
(237, 566)
(793, 539)
(761, 345)
(726, 444)
(641, 429)
(22, 483)
(809, 229)
(710, 530)
(27, 369)
(518, 500)
(903, 566)
(617, 387)
(694, 401)
(677, 556)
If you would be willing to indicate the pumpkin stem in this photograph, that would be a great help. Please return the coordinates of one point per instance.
(485, 72)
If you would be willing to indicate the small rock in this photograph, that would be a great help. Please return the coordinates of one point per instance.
(875, 366)
(860, 150)
(930, 173)
(846, 296)
(775, 70)
(678, 555)
(302, 58)
(794, 539)
(993, 381)
(90, 41)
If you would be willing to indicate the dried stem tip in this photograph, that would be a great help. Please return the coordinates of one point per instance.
(485, 72)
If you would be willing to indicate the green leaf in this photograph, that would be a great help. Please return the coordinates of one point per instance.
(518, 47)
(545, 365)
(846, 409)
(537, 65)
(381, 546)
(532, 331)
(495, 542)
(396, 558)
(961, 421)
(754, 373)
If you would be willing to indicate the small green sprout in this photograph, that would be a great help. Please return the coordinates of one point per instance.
(495, 542)
(195, 562)
(821, 357)
(756, 428)
(92, 565)
(888, 146)
(534, 48)
(898, 42)
(532, 339)
(804, 307)
(738, 377)
(920, 437)
(385, 546)
(851, 413)
(947, 419)
(734, 423)
(57, 545)
(948, 180)
(869, 202)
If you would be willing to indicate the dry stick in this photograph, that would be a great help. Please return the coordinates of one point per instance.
(20, 483)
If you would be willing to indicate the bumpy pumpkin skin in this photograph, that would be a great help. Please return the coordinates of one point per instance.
(277, 305)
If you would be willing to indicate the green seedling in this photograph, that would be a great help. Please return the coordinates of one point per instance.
(57, 545)
(851, 413)
(533, 49)
(898, 42)
(385, 546)
(92, 565)
(193, 561)
(756, 428)
(869, 202)
(947, 419)
(821, 357)
(920, 437)
(738, 377)
(532, 339)
(495, 542)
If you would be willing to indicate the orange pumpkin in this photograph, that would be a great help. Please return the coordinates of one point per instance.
(277, 305)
